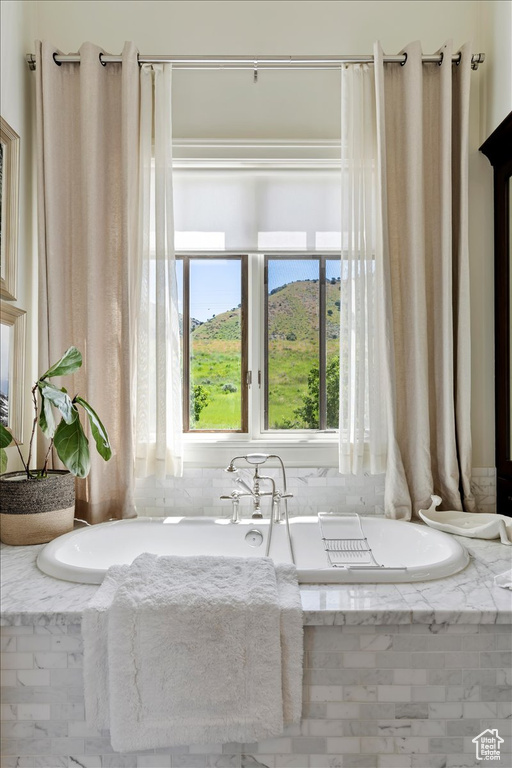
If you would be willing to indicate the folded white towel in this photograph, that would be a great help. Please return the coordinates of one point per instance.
(200, 650)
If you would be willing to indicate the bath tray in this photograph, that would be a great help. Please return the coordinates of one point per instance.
(476, 526)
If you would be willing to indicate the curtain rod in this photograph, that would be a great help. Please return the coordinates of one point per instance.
(259, 62)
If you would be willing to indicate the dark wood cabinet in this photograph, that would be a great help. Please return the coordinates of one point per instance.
(498, 149)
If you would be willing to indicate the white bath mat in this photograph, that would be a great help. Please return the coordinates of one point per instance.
(200, 650)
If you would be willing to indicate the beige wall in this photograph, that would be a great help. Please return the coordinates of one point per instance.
(16, 107)
(306, 105)
(288, 104)
(496, 30)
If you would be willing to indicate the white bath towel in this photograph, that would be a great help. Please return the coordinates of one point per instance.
(193, 650)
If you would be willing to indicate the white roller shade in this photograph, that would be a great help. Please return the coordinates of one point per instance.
(245, 210)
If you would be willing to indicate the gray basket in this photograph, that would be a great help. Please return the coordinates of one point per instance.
(36, 510)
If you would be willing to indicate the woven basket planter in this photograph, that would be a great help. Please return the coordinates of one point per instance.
(37, 510)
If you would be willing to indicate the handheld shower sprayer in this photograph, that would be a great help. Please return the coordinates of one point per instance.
(257, 458)
(251, 458)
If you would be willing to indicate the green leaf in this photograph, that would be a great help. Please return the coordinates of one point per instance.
(70, 361)
(46, 419)
(98, 430)
(60, 399)
(5, 437)
(72, 447)
(3, 460)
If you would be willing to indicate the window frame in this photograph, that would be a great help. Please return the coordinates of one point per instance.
(215, 448)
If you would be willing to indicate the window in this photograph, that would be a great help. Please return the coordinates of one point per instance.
(258, 247)
(293, 334)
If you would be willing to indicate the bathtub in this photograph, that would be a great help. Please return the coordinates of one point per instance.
(325, 553)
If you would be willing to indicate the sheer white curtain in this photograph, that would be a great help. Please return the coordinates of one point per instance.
(158, 417)
(363, 432)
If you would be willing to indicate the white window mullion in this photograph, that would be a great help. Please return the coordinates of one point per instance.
(256, 331)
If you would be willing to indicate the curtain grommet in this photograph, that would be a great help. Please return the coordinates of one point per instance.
(404, 62)
(58, 63)
(103, 63)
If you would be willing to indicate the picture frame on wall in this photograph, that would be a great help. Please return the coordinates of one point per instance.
(9, 186)
(12, 368)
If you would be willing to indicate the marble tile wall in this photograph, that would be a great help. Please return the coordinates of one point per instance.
(483, 485)
(314, 490)
(403, 696)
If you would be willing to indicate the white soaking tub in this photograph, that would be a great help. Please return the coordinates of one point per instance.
(327, 552)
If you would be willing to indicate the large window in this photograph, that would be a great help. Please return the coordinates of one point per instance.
(292, 338)
(261, 290)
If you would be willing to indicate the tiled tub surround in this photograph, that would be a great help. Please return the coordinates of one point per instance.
(396, 676)
(314, 490)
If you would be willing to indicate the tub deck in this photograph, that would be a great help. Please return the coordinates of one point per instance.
(467, 597)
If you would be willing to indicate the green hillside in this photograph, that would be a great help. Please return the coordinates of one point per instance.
(225, 326)
(292, 352)
(292, 309)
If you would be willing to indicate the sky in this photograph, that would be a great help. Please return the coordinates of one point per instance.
(215, 284)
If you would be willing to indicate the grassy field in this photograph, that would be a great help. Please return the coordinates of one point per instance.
(216, 363)
(289, 364)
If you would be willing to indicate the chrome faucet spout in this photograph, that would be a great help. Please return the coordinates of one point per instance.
(255, 494)
(241, 481)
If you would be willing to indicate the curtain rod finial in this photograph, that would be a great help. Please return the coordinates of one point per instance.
(476, 59)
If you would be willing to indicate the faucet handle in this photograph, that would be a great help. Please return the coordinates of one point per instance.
(234, 498)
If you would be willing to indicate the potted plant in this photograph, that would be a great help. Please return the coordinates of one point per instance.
(39, 504)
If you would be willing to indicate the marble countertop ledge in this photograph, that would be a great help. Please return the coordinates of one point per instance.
(469, 597)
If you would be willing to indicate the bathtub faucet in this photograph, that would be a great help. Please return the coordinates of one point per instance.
(256, 460)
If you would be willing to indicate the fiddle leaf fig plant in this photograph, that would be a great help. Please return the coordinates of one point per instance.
(67, 437)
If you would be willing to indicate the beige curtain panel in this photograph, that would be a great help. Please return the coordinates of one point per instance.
(87, 136)
(422, 127)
